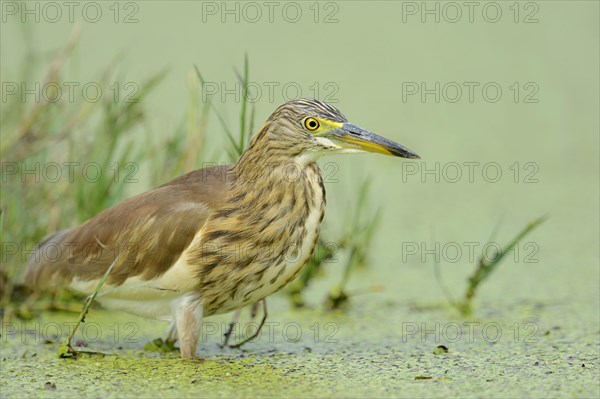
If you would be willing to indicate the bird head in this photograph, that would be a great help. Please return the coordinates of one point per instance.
(315, 128)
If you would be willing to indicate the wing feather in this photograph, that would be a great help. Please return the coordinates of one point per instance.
(146, 233)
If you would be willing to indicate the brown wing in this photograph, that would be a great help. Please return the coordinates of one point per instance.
(146, 233)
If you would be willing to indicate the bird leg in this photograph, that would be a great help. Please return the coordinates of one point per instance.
(188, 319)
(232, 323)
(260, 326)
(235, 319)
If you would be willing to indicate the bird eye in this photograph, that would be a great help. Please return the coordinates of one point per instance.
(311, 124)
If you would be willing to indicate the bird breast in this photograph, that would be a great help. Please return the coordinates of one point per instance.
(259, 240)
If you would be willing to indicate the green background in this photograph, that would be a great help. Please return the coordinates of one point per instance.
(368, 55)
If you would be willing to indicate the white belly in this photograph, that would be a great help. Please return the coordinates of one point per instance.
(153, 298)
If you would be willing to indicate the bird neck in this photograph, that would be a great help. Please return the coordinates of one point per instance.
(272, 169)
(272, 155)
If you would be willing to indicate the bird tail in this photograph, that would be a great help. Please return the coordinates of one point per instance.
(47, 263)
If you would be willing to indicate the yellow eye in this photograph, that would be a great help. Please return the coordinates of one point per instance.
(311, 124)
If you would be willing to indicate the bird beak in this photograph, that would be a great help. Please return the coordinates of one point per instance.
(353, 137)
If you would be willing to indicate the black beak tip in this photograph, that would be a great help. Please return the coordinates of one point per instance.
(406, 153)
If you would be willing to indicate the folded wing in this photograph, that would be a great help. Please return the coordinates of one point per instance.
(145, 234)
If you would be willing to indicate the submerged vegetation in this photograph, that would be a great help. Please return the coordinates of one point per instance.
(485, 266)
